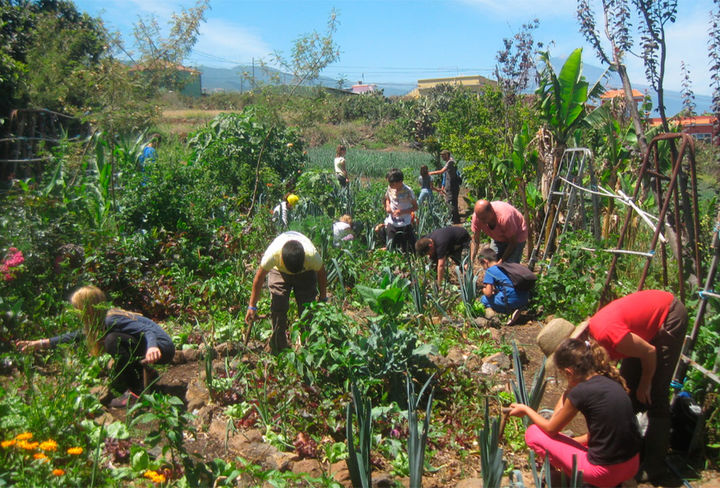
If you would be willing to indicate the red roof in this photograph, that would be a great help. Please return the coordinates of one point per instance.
(621, 93)
(686, 121)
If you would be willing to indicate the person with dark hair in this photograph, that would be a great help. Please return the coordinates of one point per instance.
(451, 186)
(132, 340)
(340, 166)
(499, 293)
(426, 187)
(504, 224)
(400, 204)
(290, 263)
(441, 244)
(608, 454)
(645, 330)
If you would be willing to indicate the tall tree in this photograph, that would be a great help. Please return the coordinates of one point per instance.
(514, 68)
(655, 14)
(714, 55)
(617, 24)
(688, 97)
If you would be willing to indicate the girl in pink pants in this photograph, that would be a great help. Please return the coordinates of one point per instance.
(609, 453)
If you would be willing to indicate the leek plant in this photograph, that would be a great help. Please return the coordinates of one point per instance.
(491, 455)
(416, 439)
(358, 460)
(537, 390)
(468, 285)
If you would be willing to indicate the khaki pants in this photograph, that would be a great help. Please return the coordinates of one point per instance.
(304, 285)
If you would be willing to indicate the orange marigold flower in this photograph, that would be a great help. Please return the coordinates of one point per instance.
(24, 436)
(29, 446)
(49, 445)
(149, 474)
(75, 451)
(39, 455)
(9, 443)
(159, 478)
(58, 472)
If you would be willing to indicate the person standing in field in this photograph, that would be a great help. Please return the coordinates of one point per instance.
(340, 166)
(400, 204)
(452, 184)
(291, 264)
(504, 224)
(426, 187)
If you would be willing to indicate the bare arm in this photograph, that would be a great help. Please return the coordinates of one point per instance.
(509, 249)
(258, 281)
(322, 283)
(474, 245)
(441, 264)
(634, 346)
(488, 289)
(28, 346)
(560, 418)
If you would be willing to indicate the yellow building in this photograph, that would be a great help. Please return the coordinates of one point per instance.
(474, 83)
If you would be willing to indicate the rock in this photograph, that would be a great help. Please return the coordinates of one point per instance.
(499, 358)
(470, 483)
(204, 417)
(282, 461)
(496, 334)
(179, 357)
(340, 473)
(474, 363)
(105, 419)
(455, 357)
(197, 395)
(481, 322)
(309, 466)
(190, 355)
(382, 480)
(226, 349)
(490, 313)
(489, 368)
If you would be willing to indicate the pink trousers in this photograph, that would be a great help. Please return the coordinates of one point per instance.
(561, 449)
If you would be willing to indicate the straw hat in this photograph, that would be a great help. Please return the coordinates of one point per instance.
(556, 331)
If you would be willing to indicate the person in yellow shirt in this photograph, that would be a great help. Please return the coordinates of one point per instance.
(290, 263)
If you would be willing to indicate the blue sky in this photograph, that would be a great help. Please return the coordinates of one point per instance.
(401, 41)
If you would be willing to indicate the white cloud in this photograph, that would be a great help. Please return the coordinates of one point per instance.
(223, 43)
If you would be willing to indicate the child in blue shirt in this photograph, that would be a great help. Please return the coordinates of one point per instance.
(498, 290)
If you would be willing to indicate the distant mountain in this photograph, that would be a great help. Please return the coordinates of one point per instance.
(244, 77)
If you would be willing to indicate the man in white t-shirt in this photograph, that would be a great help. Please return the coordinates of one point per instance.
(290, 263)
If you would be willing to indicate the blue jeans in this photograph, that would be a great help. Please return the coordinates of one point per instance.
(515, 257)
(425, 193)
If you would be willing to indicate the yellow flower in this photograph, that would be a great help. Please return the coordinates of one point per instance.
(24, 436)
(49, 445)
(159, 478)
(75, 451)
(39, 455)
(7, 444)
(58, 472)
(149, 474)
